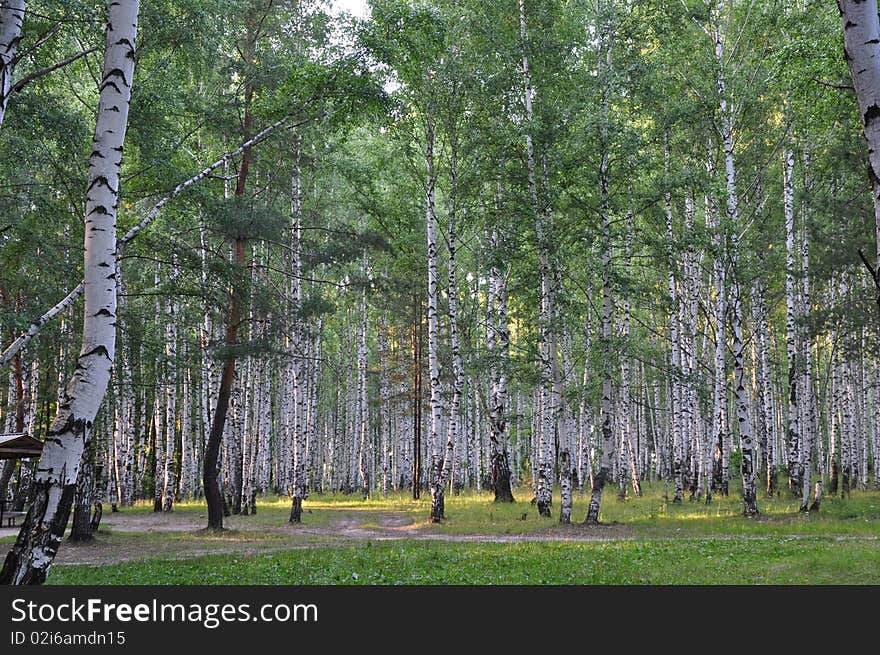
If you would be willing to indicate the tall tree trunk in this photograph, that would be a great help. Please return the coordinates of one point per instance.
(211, 462)
(747, 446)
(498, 347)
(544, 468)
(385, 428)
(628, 450)
(861, 44)
(417, 399)
(297, 369)
(364, 451)
(11, 19)
(15, 418)
(169, 482)
(454, 426)
(792, 339)
(30, 558)
(605, 421)
(436, 399)
(808, 427)
(720, 391)
(585, 462)
(674, 339)
(80, 529)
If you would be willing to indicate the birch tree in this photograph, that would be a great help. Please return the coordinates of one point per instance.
(39, 538)
(11, 19)
(861, 45)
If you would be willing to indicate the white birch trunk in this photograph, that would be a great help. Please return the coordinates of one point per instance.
(363, 413)
(861, 44)
(674, 340)
(808, 426)
(296, 374)
(544, 466)
(793, 434)
(627, 453)
(169, 481)
(606, 29)
(454, 425)
(385, 427)
(11, 19)
(30, 558)
(747, 447)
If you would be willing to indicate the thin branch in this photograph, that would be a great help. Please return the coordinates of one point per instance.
(151, 216)
(832, 85)
(48, 35)
(35, 327)
(27, 79)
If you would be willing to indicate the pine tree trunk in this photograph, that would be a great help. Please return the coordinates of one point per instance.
(211, 463)
(30, 558)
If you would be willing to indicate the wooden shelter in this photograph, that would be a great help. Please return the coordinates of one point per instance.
(19, 446)
(16, 446)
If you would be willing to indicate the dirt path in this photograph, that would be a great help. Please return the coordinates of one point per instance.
(180, 535)
(141, 536)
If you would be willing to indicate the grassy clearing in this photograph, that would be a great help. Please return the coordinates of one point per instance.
(645, 540)
(649, 516)
(809, 560)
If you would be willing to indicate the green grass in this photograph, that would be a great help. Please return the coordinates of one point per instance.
(271, 511)
(650, 516)
(645, 540)
(809, 560)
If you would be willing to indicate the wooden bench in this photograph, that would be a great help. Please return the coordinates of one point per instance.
(10, 517)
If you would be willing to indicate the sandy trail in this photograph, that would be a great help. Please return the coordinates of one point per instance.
(247, 538)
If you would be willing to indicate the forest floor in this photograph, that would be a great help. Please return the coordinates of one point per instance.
(130, 537)
(390, 541)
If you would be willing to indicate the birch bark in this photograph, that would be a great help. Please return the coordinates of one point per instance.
(11, 19)
(793, 433)
(747, 447)
(498, 346)
(42, 529)
(543, 471)
(861, 44)
(606, 29)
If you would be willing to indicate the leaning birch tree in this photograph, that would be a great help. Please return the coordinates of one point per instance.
(861, 45)
(55, 482)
